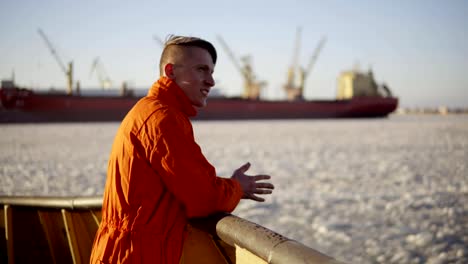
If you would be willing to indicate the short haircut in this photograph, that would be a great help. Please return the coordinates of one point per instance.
(173, 42)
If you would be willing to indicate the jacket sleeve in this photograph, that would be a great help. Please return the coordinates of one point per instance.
(187, 174)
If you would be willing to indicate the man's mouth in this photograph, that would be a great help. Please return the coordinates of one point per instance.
(205, 92)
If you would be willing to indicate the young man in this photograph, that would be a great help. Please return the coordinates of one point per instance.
(157, 175)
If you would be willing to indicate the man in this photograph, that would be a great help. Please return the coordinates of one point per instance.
(157, 176)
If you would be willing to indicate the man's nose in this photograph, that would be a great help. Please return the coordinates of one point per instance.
(210, 80)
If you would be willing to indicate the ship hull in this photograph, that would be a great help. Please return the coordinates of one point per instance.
(63, 108)
(250, 109)
(68, 108)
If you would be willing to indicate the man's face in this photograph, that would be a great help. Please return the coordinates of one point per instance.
(194, 74)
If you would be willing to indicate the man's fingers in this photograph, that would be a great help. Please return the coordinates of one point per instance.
(244, 167)
(251, 184)
(256, 198)
(266, 185)
(263, 191)
(261, 177)
(252, 195)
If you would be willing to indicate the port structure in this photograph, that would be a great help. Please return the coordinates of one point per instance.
(297, 75)
(68, 70)
(98, 68)
(252, 86)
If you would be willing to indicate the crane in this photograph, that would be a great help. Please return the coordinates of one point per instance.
(67, 70)
(103, 78)
(293, 91)
(252, 87)
(290, 87)
(305, 72)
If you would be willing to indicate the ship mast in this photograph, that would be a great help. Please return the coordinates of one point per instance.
(252, 86)
(67, 70)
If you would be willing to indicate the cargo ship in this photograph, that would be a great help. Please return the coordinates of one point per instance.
(19, 105)
(358, 96)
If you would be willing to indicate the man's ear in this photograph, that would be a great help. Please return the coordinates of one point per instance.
(169, 70)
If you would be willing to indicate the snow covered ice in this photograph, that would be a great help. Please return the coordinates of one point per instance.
(361, 190)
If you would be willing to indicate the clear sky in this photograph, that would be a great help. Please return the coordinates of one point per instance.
(419, 48)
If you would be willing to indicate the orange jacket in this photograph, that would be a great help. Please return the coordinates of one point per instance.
(157, 178)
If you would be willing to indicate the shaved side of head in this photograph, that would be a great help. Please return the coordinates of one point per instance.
(177, 48)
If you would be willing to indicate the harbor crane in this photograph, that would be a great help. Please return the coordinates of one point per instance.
(293, 91)
(98, 68)
(313, 59)
(67, 70)
(252, 87)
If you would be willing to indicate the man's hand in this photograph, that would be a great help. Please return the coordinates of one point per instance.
(250, 184)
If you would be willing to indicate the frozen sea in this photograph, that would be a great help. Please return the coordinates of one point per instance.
(391, 190)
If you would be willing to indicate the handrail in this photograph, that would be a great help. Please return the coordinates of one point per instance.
(71, 203)
(235, 231)
(260, 241)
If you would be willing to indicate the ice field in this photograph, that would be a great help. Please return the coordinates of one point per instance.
(361, 190)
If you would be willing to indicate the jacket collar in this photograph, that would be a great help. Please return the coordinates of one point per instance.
(170, 93)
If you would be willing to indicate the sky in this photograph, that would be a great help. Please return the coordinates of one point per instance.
(418, 48)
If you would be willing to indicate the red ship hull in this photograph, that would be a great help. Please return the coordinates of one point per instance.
(250, 109)
(32, 107)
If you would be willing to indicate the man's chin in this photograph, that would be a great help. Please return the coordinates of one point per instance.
(200, 104)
